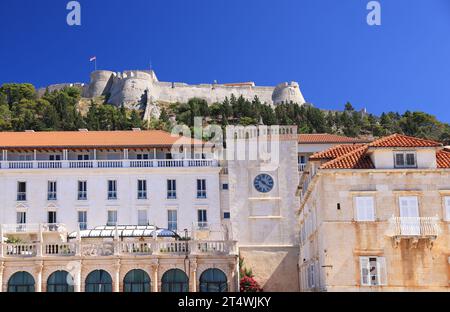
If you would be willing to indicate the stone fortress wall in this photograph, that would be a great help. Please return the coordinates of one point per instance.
(141, 88)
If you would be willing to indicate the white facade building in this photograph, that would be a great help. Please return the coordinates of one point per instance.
(114, 211)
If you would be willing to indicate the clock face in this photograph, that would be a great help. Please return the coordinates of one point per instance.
(263, 183)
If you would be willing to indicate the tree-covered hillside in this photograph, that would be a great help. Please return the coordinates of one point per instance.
(22, 109)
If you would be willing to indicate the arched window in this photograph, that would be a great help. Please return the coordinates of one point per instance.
(136, 281)
(98, 281)
(60, 281)
(174, 280)
(213, 280)
(21, 282)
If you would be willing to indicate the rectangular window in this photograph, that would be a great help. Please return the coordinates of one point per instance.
(447, 208)
(142, 189)
(112, 189)
(302, 159)
(172, 220)
(171, 189)
(51, 190)
(83, 157)
(112, 218)
(225, 186)
(365, 208)
(82, 190)
(142, 156)
(82, 220)
(142, 217)
(21, 191)
(21, 217)
(409, 215)
(373, 271)
(405, 160)
(54, 157)
(226, 215)
(51, 217)
(201, 188)
(202, 218)
(21, 220)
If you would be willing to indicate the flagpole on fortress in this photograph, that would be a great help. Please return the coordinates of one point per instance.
(94, 59)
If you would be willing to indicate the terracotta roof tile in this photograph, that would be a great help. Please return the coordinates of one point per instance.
(321, 138)
(400, 140)
(356, 159)
(90, 139)
(443, 159)
(335, 152)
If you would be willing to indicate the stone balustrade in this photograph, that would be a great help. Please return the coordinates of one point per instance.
(123, 163)
(115, 248)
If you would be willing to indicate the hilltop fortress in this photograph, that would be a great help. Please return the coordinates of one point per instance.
(141, 89)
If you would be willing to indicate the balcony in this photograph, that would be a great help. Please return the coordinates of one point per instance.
(115, 248)
(414, 228)
(301, 167)
(123, 163)
(32, 228)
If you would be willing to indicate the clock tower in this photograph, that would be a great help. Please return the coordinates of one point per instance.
(263, 178)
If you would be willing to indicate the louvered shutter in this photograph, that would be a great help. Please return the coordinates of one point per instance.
(447, 208)
(365, 209)
(365, 269)
(382, 275)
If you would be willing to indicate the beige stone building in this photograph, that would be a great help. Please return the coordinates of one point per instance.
(375, 217)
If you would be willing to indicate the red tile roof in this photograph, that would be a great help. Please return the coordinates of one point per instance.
(400, 140)
(323, 138)
(443, 159)
(356, 159)
(335, 152)
(90, 139)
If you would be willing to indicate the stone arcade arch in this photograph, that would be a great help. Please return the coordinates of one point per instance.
(174, 280)
(98, 281)
(137, 281)
(213, 280)
(21, 282)
(60, 281)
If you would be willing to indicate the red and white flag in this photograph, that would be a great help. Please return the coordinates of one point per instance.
(94, 58)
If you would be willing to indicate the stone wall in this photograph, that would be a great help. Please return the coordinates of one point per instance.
(337, 241)
(275, 268)
(133, 87)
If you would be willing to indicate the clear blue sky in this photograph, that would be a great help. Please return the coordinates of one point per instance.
(325, 45)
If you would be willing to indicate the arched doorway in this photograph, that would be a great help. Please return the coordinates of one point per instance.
(21, 282)
(213, 280)
(60, 281)
(136, 281)
(174, 280)
(98, 281)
